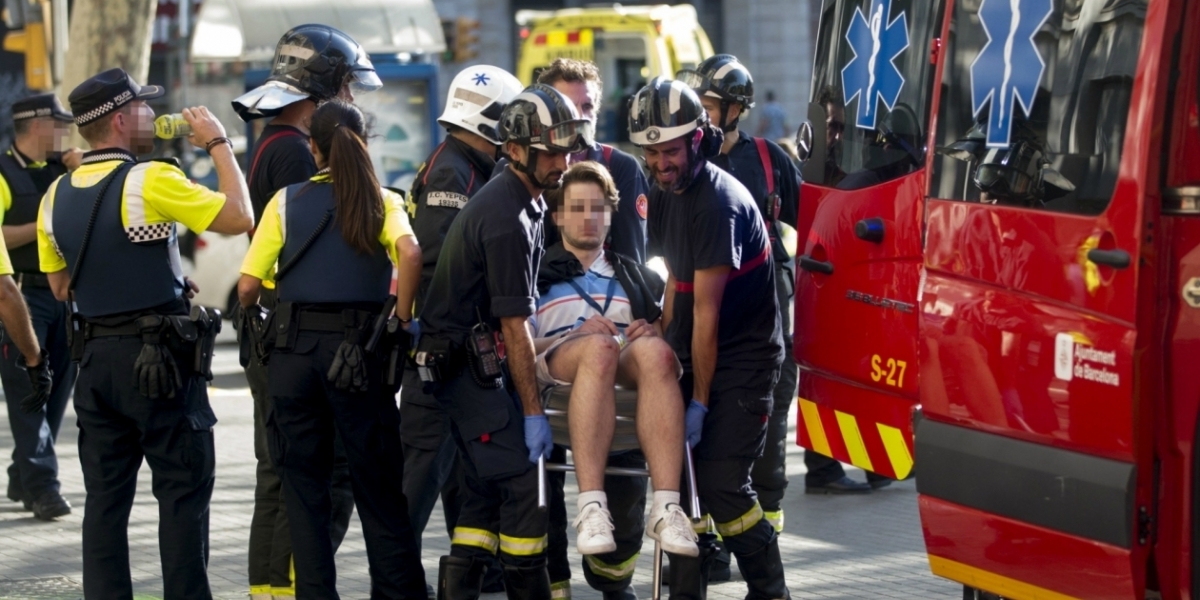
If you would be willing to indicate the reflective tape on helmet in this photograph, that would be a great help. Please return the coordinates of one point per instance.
(560, 590)
(741, 524)
(517, 546)
(475, 538)
(618, 572)
(775, 518)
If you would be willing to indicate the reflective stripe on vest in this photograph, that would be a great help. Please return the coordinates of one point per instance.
(688, 287)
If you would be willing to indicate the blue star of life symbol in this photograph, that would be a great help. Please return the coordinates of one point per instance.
(481, 79)
(1004, 73)
(872, 74)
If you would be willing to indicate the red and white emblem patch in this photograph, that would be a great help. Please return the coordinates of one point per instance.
(643, 205)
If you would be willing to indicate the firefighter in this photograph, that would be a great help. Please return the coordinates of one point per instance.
(450, 176)
(611, 573)
(335, 239)
(313, 64)
(107, 240)
(722, 320)
(484, 285)
(26, 171)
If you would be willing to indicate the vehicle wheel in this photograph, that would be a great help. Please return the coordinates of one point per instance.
(970, 593)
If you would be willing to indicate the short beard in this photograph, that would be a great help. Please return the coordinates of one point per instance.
(581, 244)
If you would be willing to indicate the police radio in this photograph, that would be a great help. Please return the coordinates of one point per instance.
(484, 357)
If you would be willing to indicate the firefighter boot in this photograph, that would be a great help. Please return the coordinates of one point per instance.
(688, 576)
(459, 578)
(527, 583)
(763, 572)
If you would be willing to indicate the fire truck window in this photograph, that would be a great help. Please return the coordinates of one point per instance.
(1035, 97)
(872, 82)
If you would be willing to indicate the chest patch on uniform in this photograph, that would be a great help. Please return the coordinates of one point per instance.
(643, 205)
(446, 200)
(148, 233)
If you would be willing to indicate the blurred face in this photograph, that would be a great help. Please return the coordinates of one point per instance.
(585, 95)
(584, 216)
(50, 135)
(713, 107)
(138, 124)
(667, 161)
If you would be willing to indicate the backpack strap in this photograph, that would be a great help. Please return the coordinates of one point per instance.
(765, 156)
(258, 151)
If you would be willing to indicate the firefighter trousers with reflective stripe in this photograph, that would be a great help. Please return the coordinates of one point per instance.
(306, 410)
(735, 431)
(118, 426)
(611, 571)
(499, 509)
(769, 475)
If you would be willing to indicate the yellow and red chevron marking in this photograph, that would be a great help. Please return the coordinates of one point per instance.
(866, 444)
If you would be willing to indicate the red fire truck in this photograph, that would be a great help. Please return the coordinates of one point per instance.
(999, 282)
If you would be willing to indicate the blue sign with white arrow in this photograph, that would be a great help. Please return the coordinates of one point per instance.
(1009, 67)
(872, 74)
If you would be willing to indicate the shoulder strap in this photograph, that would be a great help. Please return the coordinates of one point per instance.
(765, 156)
(606, 151)
(312, 238)
(91, 224)
(258, 152)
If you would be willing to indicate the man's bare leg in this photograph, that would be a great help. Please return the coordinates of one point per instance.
(589, 362)
(649, 365)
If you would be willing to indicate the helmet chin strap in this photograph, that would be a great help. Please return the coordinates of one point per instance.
(530, 167)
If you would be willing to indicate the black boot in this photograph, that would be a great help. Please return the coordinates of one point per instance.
(527, 583)
(763, 572)
(459, 578)
(625, 593)
(720, 571)
(688, 576)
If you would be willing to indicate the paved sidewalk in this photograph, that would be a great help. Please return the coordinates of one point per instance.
(833, 547)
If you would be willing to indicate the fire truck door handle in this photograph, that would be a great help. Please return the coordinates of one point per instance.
(816, 266)
(870, 230)
(1117, 259)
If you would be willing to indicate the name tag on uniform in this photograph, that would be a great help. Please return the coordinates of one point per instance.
(446, 200)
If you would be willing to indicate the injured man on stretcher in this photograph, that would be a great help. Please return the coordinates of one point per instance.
(597, 326)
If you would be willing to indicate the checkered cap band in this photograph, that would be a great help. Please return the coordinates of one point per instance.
(149, 233)
(95, 113)
(31, 114)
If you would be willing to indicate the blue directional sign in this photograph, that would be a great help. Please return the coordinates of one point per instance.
(872, 74)
(1009, 67)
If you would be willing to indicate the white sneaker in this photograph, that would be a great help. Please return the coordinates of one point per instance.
(673, 529)
(594, 529)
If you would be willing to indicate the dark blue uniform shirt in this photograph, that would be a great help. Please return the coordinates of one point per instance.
(745, 163)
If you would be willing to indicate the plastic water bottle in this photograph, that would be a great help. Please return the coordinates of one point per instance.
(169, 127)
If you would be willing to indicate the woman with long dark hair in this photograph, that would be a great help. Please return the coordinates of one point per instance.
(330, 244)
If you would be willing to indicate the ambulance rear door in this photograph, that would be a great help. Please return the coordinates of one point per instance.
(1033, 447)
(859, 251)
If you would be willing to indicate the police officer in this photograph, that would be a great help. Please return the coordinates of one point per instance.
(313, 64)
(450, 176)
(335, 239)
(611, 573)
(722, 319)
(484, 284)
(26, 170)
(107, 240)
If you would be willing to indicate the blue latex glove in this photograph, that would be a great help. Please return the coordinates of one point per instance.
(414, 330)
(537, 437)
(694, 420)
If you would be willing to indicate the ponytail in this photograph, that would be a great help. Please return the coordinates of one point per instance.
(339, 130)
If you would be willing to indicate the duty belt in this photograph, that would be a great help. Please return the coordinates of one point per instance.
(333, 322)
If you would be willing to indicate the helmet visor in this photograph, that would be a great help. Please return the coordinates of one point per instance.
(690, 78)
(364, 80)
(569, 137)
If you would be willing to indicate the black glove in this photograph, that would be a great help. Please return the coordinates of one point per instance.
(349, 369)
(40, 379)
(155, 372)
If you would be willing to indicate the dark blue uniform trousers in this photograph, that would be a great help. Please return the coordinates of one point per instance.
(34, 469)
(117, 428)
(300, 428)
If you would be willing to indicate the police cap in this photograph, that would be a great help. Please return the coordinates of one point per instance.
(41, 105)
(106, 92)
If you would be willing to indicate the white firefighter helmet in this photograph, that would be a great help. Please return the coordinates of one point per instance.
(476, 99)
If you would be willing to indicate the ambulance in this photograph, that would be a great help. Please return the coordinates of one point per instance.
(999, 282)
(629, 44)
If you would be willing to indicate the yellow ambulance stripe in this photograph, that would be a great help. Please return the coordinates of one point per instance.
(853, 439)
(991, 582)
(556, 38)
(897, 449)
(812, 422)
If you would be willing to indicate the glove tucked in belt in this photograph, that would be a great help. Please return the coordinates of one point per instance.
(155, 371)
